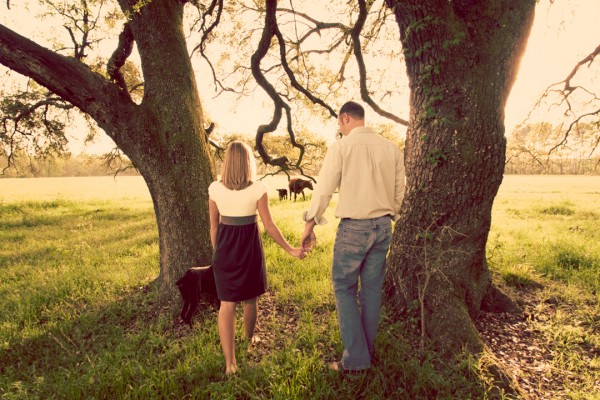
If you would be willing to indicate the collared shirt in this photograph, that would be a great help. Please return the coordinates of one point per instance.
(369, 172)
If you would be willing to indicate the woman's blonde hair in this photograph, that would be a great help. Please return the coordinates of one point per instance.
(239, 167)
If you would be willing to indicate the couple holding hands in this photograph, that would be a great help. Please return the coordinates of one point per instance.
(368, 172)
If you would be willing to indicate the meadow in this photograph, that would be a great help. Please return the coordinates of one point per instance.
(78, 318)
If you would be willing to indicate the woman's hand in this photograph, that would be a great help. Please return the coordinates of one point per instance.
(297, 252)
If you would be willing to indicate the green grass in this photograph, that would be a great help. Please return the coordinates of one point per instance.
(77, 319)
(546, 236)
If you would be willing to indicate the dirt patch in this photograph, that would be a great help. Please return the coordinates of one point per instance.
(525, 351)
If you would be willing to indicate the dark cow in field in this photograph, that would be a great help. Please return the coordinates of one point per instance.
(297, 185)
(282, 194)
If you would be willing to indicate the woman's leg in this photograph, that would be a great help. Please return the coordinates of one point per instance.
(227, 334)
(250, 315)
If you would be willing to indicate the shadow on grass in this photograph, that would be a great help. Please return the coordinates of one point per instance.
(78, 330)
(129, 348)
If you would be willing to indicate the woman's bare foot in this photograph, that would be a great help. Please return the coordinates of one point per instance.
(253, 341)
(231, 370)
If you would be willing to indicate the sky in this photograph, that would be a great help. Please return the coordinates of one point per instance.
(563, 33)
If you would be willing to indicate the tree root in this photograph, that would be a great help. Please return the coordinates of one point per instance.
(495, 300)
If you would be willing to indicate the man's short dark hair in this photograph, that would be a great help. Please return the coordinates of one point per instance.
(354, 109)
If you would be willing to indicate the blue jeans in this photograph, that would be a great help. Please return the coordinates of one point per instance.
(360, 251)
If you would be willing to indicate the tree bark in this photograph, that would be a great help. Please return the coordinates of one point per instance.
(461, 58)
(163, 136)
(175, 159)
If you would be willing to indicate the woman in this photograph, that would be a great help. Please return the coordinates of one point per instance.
(238, 259)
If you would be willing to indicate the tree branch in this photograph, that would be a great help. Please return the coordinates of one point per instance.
(566, 91)
(589, 59)
(49, 101)
(218, 4)
(570, 128)
(79, 21)
(120, 55)
(211, 27)
(114, 159)
(24, 116)
(292, 77)
(268, 33)
(364, 91)
(68, 78)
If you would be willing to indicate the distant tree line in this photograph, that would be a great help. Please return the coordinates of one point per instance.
(66, 164)
(538, 148)
(55, 164)
(543, 148)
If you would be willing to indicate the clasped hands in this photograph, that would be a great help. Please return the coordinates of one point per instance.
(308, 242)
(308, 239)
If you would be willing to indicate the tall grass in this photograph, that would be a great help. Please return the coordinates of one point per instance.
(78, 318)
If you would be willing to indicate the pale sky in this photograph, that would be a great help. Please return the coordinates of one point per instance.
(563, 33)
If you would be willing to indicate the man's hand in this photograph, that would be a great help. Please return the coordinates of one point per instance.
(309, 239)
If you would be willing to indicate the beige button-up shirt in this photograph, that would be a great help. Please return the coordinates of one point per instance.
(369, 172)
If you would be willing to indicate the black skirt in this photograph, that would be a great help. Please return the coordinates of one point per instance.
(239, 260)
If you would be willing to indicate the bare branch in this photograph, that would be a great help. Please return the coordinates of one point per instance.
(269, 31)
(205, 35)
(79, 21)
(533, 156)
(570, 128)
(53, 101)
(17, 125)
(589, 59)
(114, 159)
(565, 90)
(318, 25)
(364, 92)
(85, 30)
(212, 26)
(595, 147)
(120, 55)
(217, 147)
(75, 44)
(292, 77)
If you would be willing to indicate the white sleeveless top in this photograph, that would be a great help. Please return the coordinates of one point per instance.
(236, 203)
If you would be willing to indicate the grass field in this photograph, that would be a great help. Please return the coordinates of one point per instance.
(77, 319)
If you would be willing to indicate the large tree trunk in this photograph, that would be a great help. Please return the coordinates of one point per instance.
(163, 136)
(461, 57)
(172, 150)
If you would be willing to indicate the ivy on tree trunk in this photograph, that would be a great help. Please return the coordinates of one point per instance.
(461, 59)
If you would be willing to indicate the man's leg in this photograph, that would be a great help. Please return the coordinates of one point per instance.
(372, 275)
(348, 254)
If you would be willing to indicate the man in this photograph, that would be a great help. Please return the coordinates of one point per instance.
(369, 172)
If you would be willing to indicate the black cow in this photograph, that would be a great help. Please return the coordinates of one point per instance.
(297, 185)
(282, 194)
